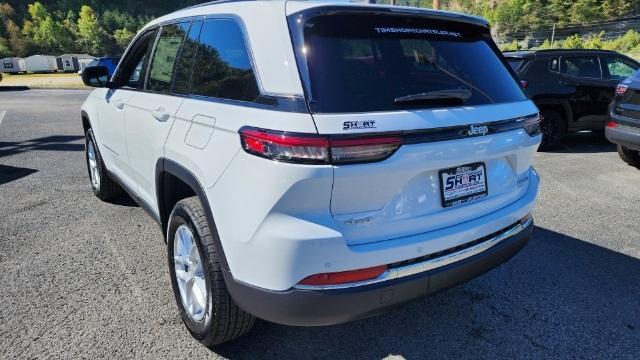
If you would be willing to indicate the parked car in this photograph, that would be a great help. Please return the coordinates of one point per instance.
(572, 88)
(623, 129)
(109, 62)
(313, 163)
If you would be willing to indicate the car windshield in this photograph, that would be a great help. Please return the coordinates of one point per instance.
(366, 62)
(515, 63)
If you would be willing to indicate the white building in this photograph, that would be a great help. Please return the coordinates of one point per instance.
(13, 65)
(41, 63)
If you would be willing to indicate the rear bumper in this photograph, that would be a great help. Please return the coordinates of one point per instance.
(302, 307)
(626, 134)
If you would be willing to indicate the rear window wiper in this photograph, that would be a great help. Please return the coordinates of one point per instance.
(450, 96)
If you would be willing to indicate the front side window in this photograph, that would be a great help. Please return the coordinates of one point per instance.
(582, 66)
(164, 58)
(554, 65)
(131, 72)
(222, 68)
(361, 62)
(617, 69)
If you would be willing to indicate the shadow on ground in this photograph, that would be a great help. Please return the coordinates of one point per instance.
(514, 309)
(584, 142)
(47, 143)
(11, 173)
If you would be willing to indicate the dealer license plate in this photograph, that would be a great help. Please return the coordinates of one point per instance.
(463, 184)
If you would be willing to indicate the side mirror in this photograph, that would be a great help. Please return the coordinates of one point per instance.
(96, 76)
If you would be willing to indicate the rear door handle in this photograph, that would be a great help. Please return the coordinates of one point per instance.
(160, 114)
(119, 103)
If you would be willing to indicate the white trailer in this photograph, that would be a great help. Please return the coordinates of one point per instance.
(73, 62)
(41, 64)
(13, 65)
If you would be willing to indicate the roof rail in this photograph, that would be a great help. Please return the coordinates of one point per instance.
(207, 3)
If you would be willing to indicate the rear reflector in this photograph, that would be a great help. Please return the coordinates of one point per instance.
(344, 276)
(611, 124)
(317, 149)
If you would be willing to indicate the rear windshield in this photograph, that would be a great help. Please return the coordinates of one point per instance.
(361, 62)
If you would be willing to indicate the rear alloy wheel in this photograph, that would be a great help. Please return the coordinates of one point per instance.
(553, 128)
(102, 184)
(629, 156)
(205, 305)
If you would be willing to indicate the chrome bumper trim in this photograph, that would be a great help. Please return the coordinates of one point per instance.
(412, 269)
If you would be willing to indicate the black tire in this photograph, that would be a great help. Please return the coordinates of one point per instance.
(223, 320)
(629, 156)
(553, 128)
(105, 188)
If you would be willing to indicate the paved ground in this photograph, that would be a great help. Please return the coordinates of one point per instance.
(81, 278)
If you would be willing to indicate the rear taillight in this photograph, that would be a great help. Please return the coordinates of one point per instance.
(281, 146)
(316, 149)
(621, 89)
(532, 125)
(344, 277)
(363, 149)
(611, 124)
(524, 84)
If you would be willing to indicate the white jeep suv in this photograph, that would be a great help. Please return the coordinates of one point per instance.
(312, 163)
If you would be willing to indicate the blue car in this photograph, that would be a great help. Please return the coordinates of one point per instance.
(109, 62)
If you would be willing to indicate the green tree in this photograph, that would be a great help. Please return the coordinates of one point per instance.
(91, 35)
(5, 51)
(585, 10)
(616, 8)
(573, 42)
(123, 37)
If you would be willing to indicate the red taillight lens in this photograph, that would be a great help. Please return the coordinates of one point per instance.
(611, 124)
(344, 277)
(314, 149)
(524, 84)
(621, 89)
(363, 149)
(285, 147)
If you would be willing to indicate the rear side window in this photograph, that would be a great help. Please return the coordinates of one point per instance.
(618, 69)
(582, 66)
(165, 55)
(222, 68)
(184, 65)
(361, 62)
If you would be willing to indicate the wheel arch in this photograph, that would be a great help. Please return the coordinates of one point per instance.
(86, 122)
(174, 182)
(559, 105)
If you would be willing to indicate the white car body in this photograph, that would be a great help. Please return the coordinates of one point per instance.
(281, 222)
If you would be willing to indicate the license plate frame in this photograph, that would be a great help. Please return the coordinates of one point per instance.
(468, 169)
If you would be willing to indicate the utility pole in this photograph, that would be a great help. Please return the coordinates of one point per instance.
(553, 35)
(436, 5)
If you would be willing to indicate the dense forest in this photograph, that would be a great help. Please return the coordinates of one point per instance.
(103, 27)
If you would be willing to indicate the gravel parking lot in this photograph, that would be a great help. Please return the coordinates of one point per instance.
(82, 278)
